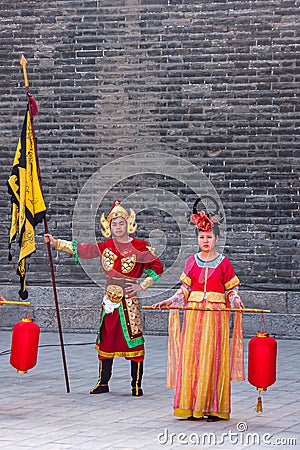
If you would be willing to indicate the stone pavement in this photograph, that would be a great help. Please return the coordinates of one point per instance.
(36, 411)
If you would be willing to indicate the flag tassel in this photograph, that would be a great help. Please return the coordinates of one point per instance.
(9, 253)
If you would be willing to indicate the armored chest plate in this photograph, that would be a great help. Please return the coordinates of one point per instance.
(108, 259)
(128, 263)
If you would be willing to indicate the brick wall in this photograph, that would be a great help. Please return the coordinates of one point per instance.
(212, 83)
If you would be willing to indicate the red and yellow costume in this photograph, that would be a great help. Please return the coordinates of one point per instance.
(120, 331)
(203, 378)
(200, 363)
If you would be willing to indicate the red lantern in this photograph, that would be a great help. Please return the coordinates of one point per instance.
(262, 351)
(24, 345)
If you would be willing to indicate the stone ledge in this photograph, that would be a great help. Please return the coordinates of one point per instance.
(79, 310)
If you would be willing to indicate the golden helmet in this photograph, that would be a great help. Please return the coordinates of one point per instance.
(118, 211)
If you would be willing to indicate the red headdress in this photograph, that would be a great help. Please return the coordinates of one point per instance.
(202, 219)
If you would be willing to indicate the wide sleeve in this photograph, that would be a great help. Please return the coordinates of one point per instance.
(151, 261)
(85, 251)
(186, 276)
(230, 279)
(153, 266)
(88, 251)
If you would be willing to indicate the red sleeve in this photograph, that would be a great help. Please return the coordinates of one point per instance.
(149, 259)
(88, 251)
(155, 264)
(186, 276)
(230, 279)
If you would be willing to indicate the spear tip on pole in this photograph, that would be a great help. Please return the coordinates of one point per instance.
(23, 60)
(23, 63)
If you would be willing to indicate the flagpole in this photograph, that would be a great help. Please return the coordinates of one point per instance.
(23, 63)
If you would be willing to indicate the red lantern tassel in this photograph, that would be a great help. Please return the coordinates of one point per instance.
(258, 407)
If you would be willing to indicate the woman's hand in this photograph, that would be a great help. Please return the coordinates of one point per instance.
(235, 299)
(238, 302)
(132, 289)
(49, 239)
(163, 303)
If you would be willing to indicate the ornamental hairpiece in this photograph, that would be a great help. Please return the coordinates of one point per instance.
(203, 219)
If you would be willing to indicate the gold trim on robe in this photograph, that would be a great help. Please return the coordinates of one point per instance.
(146, 283)
(133, 354)
(213, 297)
(64, 246)
(185, 279)
(232, 283)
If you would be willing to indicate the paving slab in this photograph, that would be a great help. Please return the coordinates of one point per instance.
(36, 412)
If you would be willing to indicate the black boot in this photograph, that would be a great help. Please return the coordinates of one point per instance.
(136, 378)
(105, 370)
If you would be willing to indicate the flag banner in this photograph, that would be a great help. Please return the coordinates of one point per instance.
(28, 207)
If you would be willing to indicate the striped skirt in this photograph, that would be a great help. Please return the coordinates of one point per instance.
(203, 377)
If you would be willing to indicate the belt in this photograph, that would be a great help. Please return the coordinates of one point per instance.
(115, 288)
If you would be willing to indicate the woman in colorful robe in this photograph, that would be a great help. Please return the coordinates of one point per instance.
(202, 380)
(124, 259)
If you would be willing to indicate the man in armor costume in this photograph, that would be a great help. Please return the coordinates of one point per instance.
(123, 259)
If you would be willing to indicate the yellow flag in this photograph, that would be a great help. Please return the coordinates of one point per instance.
(28, 207)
